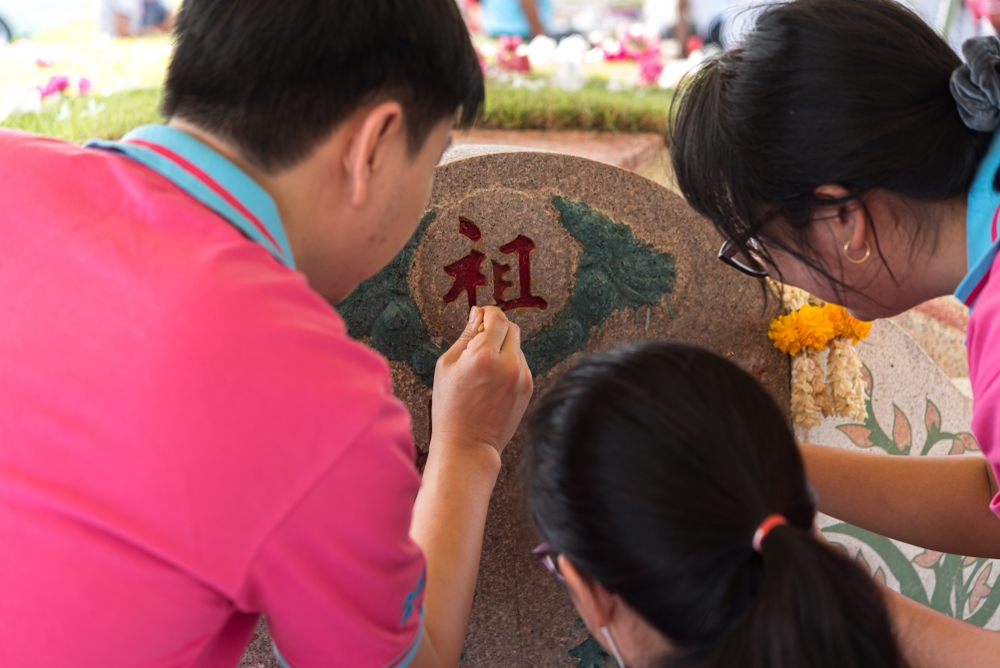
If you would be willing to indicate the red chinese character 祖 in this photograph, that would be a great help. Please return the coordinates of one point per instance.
(468, 276)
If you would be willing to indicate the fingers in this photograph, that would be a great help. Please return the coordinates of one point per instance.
(512, 341)
(495, 328)
(472, 327)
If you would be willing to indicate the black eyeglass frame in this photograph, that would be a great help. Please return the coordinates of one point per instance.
(730, 249)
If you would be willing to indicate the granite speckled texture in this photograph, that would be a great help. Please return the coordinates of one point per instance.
(944, 344)
(522, 616)
(259, 653)
(628, 151)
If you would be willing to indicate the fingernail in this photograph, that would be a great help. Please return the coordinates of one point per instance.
(473, 312)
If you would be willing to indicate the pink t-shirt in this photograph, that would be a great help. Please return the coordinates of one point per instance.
(188, 438)
(980, 291)
(983, 348)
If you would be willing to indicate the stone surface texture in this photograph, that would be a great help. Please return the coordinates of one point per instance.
(628, 151)
(938, 326)
(914, 410)
(944, 344)
(521, 615)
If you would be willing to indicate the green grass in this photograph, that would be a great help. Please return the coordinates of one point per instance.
(121, 112)
(592, 108)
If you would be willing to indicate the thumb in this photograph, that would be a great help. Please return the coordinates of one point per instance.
(470, 331)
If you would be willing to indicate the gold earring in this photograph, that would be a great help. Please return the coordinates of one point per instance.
(868, 252)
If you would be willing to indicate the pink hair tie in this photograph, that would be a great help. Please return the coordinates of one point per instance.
(765, 527)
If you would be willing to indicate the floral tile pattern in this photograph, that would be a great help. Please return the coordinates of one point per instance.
(913, 411)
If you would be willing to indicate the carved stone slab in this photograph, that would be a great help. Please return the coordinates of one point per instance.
(584, 257)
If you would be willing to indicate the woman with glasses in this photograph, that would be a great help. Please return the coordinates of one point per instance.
(675, 507)
(845, 149)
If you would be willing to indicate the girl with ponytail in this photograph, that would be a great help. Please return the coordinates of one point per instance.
(845, 149)
(675, 506)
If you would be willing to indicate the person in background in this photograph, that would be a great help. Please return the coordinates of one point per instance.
(844, 148)
(524, 18)
(686, 19)
(135, 18)
(675, 507)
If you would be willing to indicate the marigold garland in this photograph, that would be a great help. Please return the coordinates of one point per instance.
(811, 328)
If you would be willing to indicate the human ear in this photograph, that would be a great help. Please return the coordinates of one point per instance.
(595, 604)
(376, 136)
(846, 219)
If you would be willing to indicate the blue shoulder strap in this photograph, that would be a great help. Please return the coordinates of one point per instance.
(211, 179)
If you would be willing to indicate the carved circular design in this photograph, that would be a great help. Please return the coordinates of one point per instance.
(488, 244)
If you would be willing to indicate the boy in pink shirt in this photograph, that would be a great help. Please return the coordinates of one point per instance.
(188, 437)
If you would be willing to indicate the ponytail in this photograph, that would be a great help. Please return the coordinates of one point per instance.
(814, 607)
(652, 468)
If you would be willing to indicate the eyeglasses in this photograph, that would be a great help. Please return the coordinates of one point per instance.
(744, 257)
(549, 559)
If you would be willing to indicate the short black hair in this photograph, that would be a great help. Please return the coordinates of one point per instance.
(275, 77)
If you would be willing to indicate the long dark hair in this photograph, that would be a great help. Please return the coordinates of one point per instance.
(650, 467)
(849, 92)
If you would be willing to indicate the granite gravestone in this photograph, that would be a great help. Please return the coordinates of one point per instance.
(584, 257)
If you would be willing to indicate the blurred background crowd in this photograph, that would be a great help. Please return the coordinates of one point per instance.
(81, 68)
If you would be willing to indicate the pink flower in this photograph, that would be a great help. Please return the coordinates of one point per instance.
(613, 50)
(510, 42)
(55, 85)
(508, 58)
(44, 62)
(635, 43)
(650, 68)
(86, 86)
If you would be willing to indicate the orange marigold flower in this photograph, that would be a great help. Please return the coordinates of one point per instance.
(814, 327)
(838, 316)
(784, 333)
(846, 325)
(859, 328)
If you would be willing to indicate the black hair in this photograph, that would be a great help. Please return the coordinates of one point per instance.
(848, 92)
(650, 467)
(277, 76)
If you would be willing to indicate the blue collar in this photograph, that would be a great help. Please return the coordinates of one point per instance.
(211, 179)
(981, 239)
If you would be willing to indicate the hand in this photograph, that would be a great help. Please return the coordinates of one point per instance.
(482, 384)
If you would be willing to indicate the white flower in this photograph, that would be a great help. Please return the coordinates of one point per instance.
(844, 379)
(806, 412)
(821, 391)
